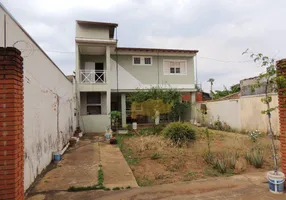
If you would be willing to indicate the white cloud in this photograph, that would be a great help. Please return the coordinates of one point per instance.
(220, 29)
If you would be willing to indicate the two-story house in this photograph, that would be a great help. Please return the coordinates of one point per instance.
(105, 73)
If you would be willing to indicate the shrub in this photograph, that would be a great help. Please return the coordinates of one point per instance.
(179, 132)
(208, 157)
(255, 158)
(220, 164)
(156, 156)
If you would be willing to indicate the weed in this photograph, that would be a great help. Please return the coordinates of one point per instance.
(210, 172)
(232, 158)
(190, 176)
(220, 164)
(208, 157)
(156, 156)
(106, 189)
(98, 186)
(127, 153)
(145, 181)
(255, 158)
(159, 176)
(116, 188)
(128, 187)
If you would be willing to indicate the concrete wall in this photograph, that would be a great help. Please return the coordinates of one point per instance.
(48, 102)
(154, 74)
(87, 31)
(251, 117)
(242, 114)
(95, 123)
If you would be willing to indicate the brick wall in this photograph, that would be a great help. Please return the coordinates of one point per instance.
(281, 66)
(11, 124)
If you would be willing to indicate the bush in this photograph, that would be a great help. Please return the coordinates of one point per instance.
(179, 132)
(255, 158)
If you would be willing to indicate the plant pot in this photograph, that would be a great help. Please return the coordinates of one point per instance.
(276, 182)
(80, 134)
(122, 131)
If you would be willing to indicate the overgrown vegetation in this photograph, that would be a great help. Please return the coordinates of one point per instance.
(218, 94)
(156, 101)
(179, 132)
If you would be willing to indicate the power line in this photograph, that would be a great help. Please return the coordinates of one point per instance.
(227, 61)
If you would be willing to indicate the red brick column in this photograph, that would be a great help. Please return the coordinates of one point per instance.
(281, 70)
(11, 124)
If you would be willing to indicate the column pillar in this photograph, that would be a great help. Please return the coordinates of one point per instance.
(11, 124)
(193, 106)
(281, 71)
(108, 81)
(123, 108)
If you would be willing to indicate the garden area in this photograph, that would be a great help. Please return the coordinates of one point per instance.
(197, 153)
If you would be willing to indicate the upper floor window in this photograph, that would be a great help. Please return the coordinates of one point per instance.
(142, 60)
(175, 67)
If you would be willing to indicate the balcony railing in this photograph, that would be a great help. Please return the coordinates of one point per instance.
(92, 76)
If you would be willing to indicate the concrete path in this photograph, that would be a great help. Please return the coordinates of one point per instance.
(117, 172)
(79, 167)
(242, 187)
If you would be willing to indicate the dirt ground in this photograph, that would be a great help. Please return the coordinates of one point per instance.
(155, 161)
(240, 187)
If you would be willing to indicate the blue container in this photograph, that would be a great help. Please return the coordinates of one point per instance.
(276, 182)
(57, 156)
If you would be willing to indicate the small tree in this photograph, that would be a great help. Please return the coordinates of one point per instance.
(211, 80)
(272, 82)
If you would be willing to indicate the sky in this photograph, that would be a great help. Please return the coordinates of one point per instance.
(220, 29)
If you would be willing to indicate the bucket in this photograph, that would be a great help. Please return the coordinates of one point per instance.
(134, 125)
(276, 182)
(57, 156)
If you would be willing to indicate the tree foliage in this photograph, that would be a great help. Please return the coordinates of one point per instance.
(225, 92)
(167, 100)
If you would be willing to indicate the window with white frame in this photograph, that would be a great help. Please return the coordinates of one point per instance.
(93, 103)
(175, 67)
(142, 60)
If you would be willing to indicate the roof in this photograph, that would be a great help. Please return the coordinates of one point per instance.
(97, 23)
(156, 50)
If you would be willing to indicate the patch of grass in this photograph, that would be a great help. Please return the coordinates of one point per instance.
(85, 188)
(128, 187)
(98, 186)
(145, 181)
(116, 188)
(255, 158)
(190, 176)
(127, 153)
(156, 156)
(211, 172)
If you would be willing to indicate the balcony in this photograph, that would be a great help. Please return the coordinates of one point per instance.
(92, 76)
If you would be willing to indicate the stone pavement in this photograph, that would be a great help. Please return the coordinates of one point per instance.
(79, 167)
(117, 172)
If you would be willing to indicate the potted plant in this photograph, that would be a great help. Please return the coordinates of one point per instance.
(78, 132)
(115, 116)
(124, 129)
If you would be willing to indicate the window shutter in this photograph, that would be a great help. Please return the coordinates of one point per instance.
(183, 67)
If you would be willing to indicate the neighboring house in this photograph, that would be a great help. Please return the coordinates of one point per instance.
(247, 89)
(105, 73)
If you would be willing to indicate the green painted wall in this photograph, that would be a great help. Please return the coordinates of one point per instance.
(154, 74)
